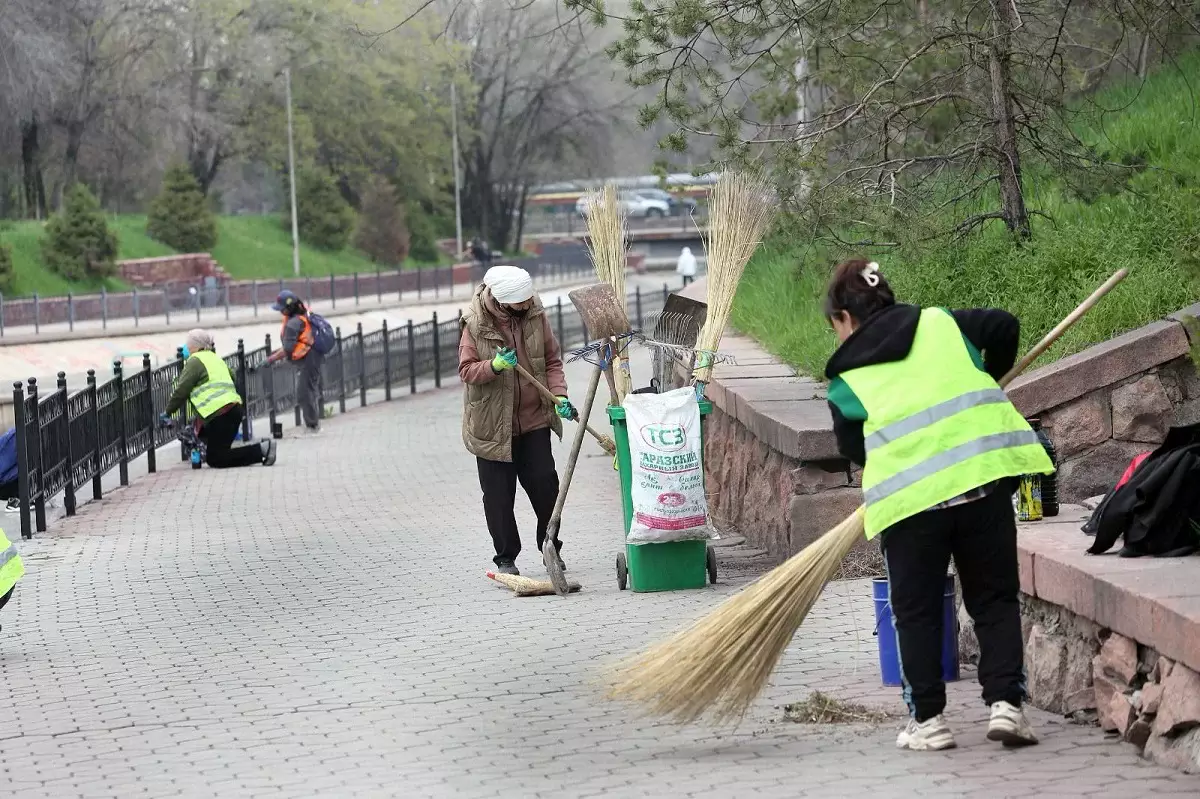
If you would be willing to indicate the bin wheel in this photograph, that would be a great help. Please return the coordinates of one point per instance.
(622, 572)
(711, 562)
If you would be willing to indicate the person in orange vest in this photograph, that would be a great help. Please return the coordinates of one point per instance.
(297, 339)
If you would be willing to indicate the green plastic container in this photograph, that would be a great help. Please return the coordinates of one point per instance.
(669, 566)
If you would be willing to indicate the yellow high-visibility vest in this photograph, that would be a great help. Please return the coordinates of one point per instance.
(216, 392)
(11, 567)
(936, 426)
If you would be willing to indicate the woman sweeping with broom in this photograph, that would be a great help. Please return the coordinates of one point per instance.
(915, 401)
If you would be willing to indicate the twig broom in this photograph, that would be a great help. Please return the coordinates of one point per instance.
(739, 211)
(722, 662)
(606, 241)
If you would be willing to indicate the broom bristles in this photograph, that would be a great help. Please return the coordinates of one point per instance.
(739, 212)
(722, 662)
(606, 242)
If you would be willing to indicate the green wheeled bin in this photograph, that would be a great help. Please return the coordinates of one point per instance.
(668, 566)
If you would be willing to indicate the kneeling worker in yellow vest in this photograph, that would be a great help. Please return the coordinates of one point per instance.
(11, 569)
(915, 401)
(208, 388)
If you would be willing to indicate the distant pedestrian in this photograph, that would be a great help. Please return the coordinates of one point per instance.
(207, 386)
(686, 266)
(507, 422)
(11, 569)
(481, 253)
(296, 345)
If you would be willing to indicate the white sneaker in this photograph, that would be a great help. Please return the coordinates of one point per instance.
(1010, 726)
(931, 735)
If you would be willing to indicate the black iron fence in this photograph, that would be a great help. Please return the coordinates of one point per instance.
(67, 439)
(216, 300)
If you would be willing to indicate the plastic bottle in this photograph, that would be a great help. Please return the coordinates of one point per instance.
(1049, 482)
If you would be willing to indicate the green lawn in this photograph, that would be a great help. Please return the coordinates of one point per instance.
(1151, 227)
(248, 247)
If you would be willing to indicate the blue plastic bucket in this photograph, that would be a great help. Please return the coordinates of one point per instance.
(889, 651)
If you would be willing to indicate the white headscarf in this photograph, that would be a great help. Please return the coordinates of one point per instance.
(199, 339)
(510, 285)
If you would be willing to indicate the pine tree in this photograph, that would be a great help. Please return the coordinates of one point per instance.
(77, 243)
(326, 220)
(180, 216)
(382, 233)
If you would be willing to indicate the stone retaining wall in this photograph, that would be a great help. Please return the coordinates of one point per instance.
(1096, 676)
(1108, 403)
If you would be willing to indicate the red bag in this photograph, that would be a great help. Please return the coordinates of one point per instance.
(1133, 465)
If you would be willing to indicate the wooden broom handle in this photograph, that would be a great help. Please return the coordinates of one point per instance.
(1063, 326)
(548, 395)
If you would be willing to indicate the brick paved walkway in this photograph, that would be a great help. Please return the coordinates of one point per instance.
(323, 629)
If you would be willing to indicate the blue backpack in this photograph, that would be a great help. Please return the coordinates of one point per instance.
(324, 339)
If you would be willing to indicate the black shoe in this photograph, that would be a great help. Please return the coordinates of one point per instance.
(269, 451)
(507, 567)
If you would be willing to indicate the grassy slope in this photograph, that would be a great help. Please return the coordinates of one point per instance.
(248, 247)
(1153, 228)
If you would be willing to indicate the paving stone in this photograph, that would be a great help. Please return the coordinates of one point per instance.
(324, 628)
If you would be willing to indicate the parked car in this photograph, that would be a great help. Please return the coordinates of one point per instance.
(644, 203)
(676, 206)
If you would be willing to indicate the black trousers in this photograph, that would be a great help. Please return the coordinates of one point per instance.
(4, 599)
(219, 432)
(982, 538)
(533, 467)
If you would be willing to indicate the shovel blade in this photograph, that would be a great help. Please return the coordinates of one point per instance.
(602, 311)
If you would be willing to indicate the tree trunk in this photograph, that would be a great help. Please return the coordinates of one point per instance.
(520, 218)
(33, 185)
(70, 159)
(1012, 198)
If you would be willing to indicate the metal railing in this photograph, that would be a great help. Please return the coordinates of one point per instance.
(195, 300)
(66, 440)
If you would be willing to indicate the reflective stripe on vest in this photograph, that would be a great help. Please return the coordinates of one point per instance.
(218, 391)
(936, 426)
(11, 567)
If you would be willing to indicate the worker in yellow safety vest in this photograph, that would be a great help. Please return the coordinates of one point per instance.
(207, 386)
(914, 400)
(11, 569)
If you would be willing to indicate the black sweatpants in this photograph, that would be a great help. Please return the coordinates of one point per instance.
(982, 537)
(7, 596)
(533, 467)
(219, 432)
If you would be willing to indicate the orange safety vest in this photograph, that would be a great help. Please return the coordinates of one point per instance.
(304, 341)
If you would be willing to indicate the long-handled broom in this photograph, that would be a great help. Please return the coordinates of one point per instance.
(606, 239)
(722, 662)
(605, 441)
(740, 208)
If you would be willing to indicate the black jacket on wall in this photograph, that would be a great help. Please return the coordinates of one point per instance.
(1158, 509)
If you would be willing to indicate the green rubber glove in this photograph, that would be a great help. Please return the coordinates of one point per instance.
(505, 359)
(565, 409)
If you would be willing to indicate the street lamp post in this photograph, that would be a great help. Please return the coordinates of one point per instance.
(457, 184)
(287, 79)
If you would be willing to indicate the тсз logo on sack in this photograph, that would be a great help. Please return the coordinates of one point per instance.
(664, 437)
